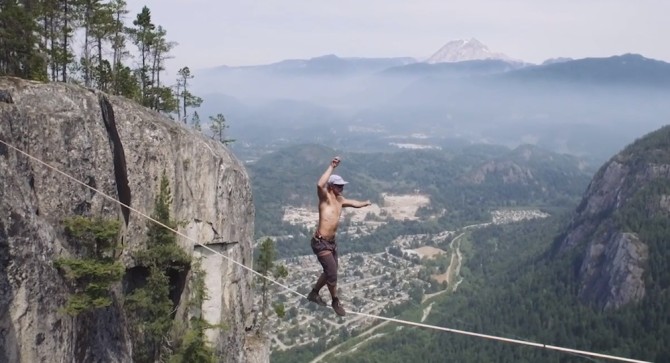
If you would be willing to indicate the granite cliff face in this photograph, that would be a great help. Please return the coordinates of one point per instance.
(615, 230)
(121, 149)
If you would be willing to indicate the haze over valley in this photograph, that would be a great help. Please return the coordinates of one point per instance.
(465, 93)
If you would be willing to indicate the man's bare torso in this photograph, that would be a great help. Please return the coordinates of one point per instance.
(330, 209)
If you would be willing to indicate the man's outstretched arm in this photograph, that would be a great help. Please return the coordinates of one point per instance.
(355, 203)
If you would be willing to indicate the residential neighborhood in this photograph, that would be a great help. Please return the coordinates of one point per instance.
(369, 283)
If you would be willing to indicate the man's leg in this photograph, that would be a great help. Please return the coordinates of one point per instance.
(337, 306)
(330, 264)
(333, 270)
(333, 290)
(314, 296)
(321, 282)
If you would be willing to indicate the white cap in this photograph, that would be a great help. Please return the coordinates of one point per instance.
(336, 179)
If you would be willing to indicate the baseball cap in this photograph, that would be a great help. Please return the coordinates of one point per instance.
(336, 179)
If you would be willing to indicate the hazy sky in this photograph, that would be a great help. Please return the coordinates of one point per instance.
(248, 32)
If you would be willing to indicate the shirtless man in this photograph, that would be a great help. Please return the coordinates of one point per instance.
(329, 189)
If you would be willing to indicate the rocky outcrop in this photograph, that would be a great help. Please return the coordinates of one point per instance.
(120, 149)
(605, 232)
(612, 271)
(529, 165)
(506, 171)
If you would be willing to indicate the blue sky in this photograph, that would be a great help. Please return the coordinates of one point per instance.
(249, 32)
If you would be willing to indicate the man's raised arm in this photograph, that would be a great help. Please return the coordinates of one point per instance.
(321, 184)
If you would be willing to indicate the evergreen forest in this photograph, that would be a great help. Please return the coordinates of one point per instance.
(98, 44)
(513, 287)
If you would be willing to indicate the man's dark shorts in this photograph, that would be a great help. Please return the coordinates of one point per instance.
(326, 253)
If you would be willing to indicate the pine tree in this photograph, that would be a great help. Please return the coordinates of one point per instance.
(69, 16)
(143, 36)
(265, 265)
(195, 121)
(19, 46)
(102, 29)
(59, 20)
(94, 268)
(154, 49)
(125, 83)
(161, 98)
(89, 7)
(187, 99)
(217, 127)
(162, 242)
(192, 346)
(150, 305)
(47, 29)
(119, 52)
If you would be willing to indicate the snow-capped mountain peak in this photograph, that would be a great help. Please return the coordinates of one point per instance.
(464, 50)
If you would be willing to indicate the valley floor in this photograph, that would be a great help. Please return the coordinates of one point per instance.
(370, 283)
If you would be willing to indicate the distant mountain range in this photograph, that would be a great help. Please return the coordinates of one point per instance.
(452, 52)
(627, 69)
(588, 107)
(327, 64)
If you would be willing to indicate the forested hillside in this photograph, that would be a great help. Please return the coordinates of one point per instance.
(622, 227)
(512, 289)
(463, 185)
(569, 280)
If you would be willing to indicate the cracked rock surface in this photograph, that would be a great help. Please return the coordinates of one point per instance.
(121, 149)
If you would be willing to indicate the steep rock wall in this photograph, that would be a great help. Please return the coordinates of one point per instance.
(121, 149)
(613, 263)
